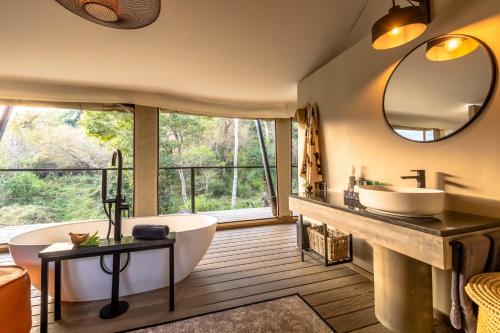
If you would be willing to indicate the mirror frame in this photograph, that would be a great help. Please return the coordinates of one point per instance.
(494, 69)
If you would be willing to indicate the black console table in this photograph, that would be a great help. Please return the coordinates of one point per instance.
(65, 251)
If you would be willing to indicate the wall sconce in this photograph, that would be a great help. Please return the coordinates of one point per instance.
(450, 47)
(401, 25)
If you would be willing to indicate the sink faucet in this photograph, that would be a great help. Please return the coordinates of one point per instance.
(119, 201)
(420, 177)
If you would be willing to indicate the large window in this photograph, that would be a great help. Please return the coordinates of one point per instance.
(215, 165)
(51, 162)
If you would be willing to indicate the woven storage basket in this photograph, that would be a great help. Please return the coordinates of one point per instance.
(484, 290)
(338, 242)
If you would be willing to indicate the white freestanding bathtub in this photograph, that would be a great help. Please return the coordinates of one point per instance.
(83, 279)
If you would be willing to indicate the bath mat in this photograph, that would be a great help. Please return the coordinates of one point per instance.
(289, 314)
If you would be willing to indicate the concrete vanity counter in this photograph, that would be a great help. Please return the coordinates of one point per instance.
(424, 239)
(404, 252)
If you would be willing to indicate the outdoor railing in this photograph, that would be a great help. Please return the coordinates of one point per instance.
(205, 181)
(31, 195)
(34, 196)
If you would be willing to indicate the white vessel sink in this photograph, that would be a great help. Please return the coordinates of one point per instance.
(402, 201)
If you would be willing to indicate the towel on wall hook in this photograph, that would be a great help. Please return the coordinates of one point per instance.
(311, 170)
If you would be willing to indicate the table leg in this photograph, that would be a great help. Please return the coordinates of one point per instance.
(171, 284)
(57, 290)
(44, 296)
(301, 219)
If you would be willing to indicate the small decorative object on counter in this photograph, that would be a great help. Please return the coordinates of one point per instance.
(150, 231)
(77, 239)
(351, 200)
(308, 189)
(321, 188)
(352, 179)
(84, 239)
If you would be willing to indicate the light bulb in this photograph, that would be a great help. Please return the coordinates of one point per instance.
(452, 44)
(395, 31)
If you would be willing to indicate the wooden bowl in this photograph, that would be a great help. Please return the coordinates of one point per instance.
(78, 239)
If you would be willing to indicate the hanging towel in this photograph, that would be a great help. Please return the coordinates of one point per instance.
(469, 259)
(493, 263)
(311, 170)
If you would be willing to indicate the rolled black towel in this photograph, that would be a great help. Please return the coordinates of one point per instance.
(150, 231)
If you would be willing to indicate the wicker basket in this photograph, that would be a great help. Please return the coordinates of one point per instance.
(484, 290)
(337, 242)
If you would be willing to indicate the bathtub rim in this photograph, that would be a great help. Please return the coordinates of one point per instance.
(59, 224)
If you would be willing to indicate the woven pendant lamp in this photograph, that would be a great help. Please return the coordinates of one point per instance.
(119, 14)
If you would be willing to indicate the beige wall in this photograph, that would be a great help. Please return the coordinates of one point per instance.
(349, 91)
(283, 162)
(146, 161)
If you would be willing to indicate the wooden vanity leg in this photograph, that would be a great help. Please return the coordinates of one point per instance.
(403, 291)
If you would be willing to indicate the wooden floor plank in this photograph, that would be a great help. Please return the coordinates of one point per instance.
(251, 242)
(247, 255)
(377, 328)
(253, 272)
(354, 320)
(246, 250)
(189, 290)
(250, 260)
(328, 296)
(255, 235)
(347, 305)
(240, 268)
(226, 250)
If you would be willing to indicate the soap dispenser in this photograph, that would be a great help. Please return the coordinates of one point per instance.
(352, 179)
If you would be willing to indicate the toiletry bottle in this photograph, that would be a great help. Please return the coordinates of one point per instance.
(352, 179)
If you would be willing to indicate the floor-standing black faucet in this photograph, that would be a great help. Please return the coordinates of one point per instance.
(420, 177)
(116, 307)
(120, 204)
(118, 201)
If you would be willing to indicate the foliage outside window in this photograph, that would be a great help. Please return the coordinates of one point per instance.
(213, 146)
(51, 161)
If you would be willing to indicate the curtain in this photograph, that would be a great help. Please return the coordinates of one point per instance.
(70, 105)
(72, 96)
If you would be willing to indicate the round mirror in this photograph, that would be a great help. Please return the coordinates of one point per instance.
(439, 88)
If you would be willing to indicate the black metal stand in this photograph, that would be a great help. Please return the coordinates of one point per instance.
(116, 307)
(318, 257)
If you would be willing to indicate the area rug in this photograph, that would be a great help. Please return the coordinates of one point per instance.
(290, 314)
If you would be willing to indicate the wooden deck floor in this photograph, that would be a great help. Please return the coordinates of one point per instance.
(242, 266)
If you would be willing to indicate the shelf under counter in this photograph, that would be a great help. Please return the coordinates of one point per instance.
(426, 240)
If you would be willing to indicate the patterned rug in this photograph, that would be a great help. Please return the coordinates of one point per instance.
(290, 314)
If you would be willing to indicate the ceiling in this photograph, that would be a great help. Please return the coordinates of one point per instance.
(226, 50)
